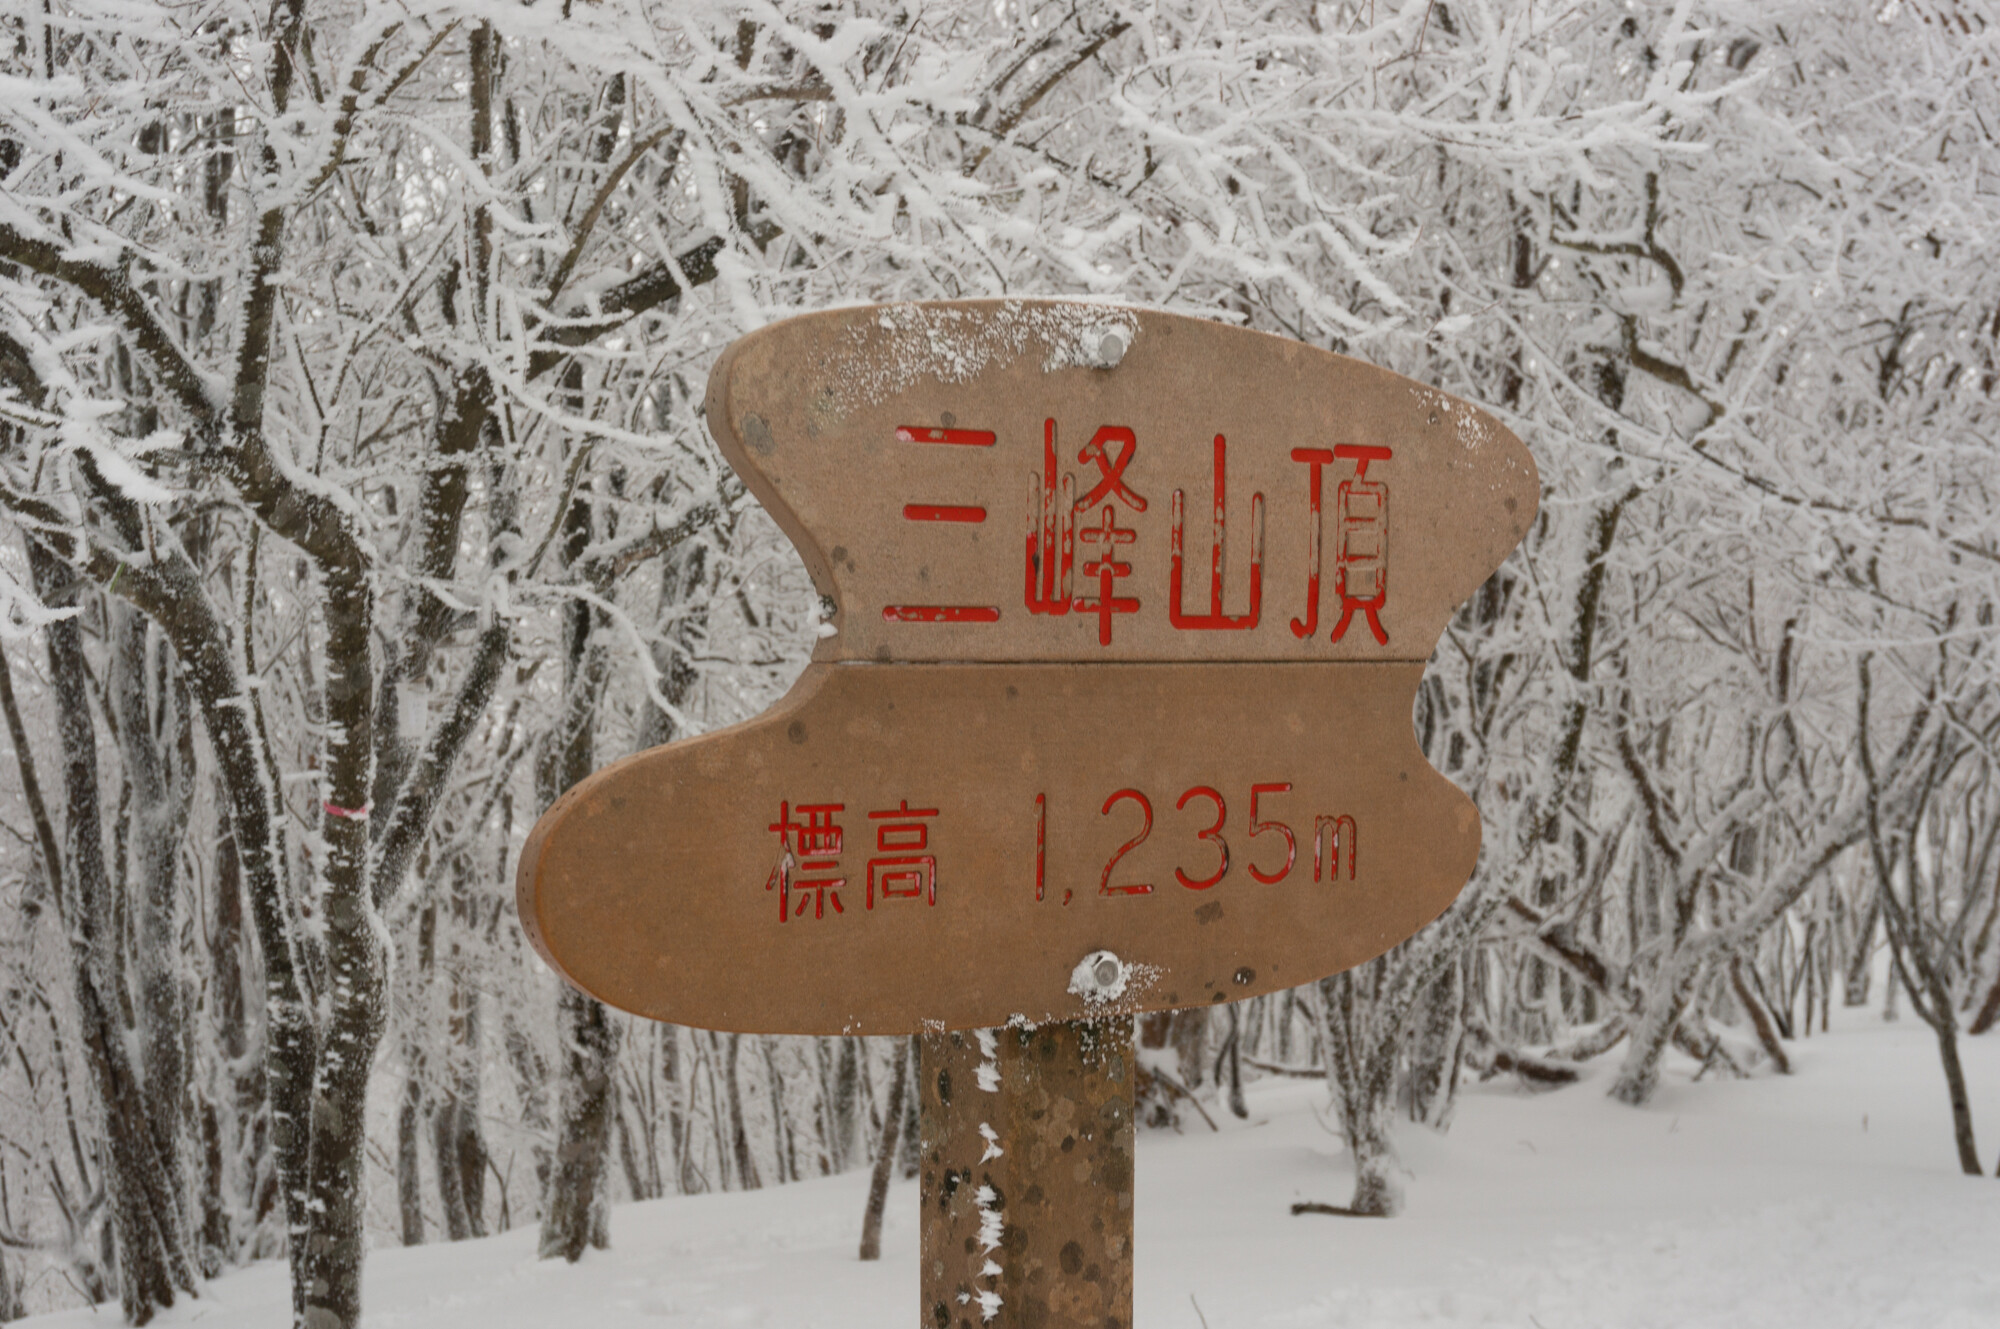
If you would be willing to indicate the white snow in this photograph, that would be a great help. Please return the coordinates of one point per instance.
(1827, 1200)
(989, 1071)
(1099, 977)
(991, 1227)
(912, 342)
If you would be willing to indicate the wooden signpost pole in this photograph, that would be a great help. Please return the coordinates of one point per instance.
(1112, 715)
(1026, 1181)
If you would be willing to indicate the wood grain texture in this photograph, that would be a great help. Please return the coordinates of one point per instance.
(1026, 1183)
(830, 419)
(1131, 610)
(651, 884)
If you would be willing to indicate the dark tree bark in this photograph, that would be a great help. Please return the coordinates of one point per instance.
(458, 1145)
(1854, 990)
(1761, 1018)
(1917, 962)
(11, 1308)
(589, 1031)
(531, 1083)
(156, 741)
(1363, 1080)
(589, 1051)
(747, 1177)
(782, 1146)
(152, 1257)
(168, 588)
(356, 967)
(885, 1155)
(1920, 972)
(1433, 1081)
(233, 1097)
(409, 1171)
(1160, 1095)
(846, 1098)
(679, 1120)
(910, 1144)
(1989, 1010)
(450, 1173)
(1229, 1064)
(461, 1143)
(411, 1105)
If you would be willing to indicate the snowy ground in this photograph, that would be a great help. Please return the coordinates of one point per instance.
(1826, 1200)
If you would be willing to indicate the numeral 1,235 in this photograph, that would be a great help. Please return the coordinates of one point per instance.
(1331, 836)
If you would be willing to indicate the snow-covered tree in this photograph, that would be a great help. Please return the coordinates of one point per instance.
(350, 361)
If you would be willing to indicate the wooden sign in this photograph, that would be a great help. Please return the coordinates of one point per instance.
(1130, 613)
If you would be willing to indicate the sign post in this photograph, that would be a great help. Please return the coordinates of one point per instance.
(1129, 612)
(1026, 1181)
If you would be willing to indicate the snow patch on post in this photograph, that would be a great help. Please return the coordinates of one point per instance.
(989, 1063)
(906, 343)
(991, 1229)
(1101, 978)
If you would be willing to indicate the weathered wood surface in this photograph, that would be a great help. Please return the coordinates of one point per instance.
(1027, 1179)
(919, 455)
(660, 889)
(1131, 610)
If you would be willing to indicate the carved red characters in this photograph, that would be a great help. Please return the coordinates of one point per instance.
(902, 872)
(1361, 542)
(817, 843)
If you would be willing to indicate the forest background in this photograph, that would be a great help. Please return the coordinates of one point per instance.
(357, 502)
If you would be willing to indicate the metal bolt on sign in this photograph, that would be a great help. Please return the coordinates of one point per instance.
(1128, 612)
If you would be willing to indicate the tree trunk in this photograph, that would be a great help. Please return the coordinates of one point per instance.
(1854, 992)
(11, 1308)
(718, 1121)
(1989, 1009)
(450, 1170)
(356, 968)
(531, 1087)
(416, 1070)
(910, 1148)
(170, 591)
(145, 1212)
(588, 1030)
(739, 1133)
(680, 1117)
(156, 740)
(590, 1054)
(782, 1148)
(1667, 1000)
(1961, 1101)
(468, 1136)
(628, 1158)
(1378, 1189)
(1361, 1070)
(1760, 1017)
(885, 1156)
(457, 1140)
(823, 1077)
(409, 1168)
(1229, 1064)
(846, 1098)
(1160, 1094)
(234, 1094)
(1440, 1037)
